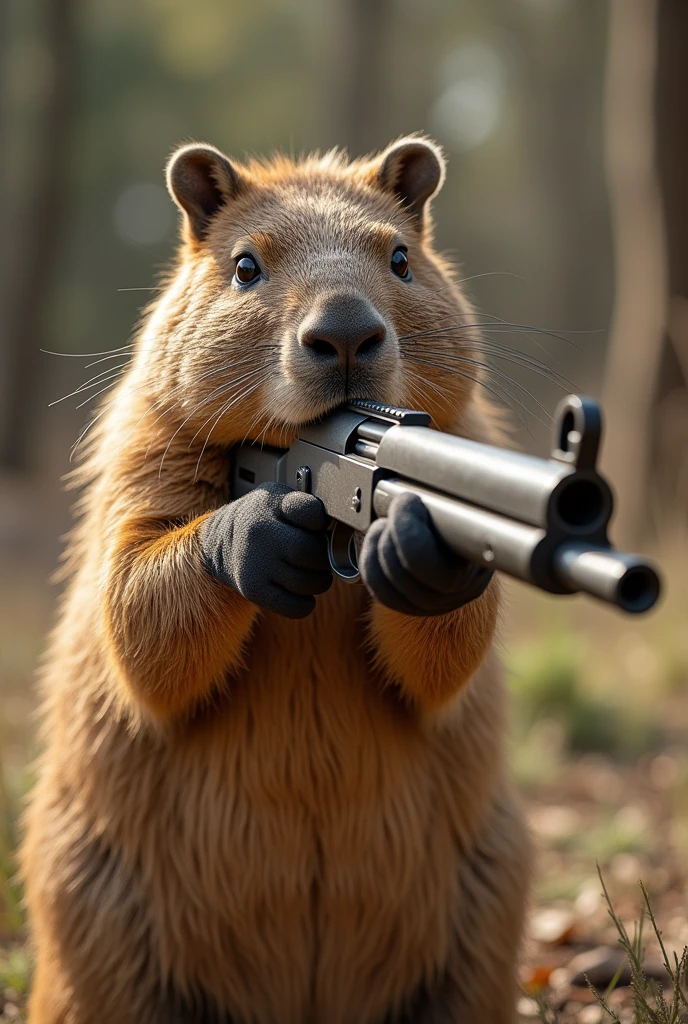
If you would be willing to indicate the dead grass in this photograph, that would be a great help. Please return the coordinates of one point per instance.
(654, 1001)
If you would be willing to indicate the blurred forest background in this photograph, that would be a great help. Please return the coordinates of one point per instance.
(566, 206)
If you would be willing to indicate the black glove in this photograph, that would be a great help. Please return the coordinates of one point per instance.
(407, 567)
(270, 546)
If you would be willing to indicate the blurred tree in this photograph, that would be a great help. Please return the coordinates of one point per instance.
(40, 222)
(5, 204)
(561, 128)
(360, 36)
(558, 238)
(670, 449)
(636, 341)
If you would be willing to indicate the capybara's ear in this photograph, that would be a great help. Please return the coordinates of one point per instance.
(201, 180)
(413, 169)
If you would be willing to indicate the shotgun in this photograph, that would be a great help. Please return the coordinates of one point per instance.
(544, 521)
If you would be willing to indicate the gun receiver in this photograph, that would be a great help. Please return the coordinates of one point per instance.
(544, 521)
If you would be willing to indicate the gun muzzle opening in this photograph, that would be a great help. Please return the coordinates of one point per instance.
(625, 580)
(638, 589)
(581, 505)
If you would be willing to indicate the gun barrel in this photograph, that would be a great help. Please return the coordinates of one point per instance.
(525, 488)
(628, 581)
(521, 550)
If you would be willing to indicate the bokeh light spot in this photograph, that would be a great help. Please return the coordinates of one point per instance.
(142, 214)
(468, 108)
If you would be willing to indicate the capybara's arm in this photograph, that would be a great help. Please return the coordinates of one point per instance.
(434, 613)
(180, 590)
(432, 658)
(174, 630)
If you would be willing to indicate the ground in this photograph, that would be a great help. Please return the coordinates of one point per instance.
(622, 818)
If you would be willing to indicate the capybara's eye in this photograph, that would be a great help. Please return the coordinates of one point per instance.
(247, 269)
(400, 263)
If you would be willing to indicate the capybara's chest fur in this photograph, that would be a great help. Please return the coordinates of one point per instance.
(294, 847)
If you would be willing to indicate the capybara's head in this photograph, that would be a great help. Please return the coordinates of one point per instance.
(302, 285)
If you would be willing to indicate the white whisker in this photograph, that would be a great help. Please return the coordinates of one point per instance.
(225, 408)
(99, 378)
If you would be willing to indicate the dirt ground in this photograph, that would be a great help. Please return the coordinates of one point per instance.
(624, 819)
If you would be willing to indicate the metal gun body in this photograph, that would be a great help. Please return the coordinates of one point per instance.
(544, 521)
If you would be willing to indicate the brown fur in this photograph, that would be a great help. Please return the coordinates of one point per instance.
(238, 816)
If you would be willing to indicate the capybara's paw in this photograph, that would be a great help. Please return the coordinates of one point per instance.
(270, 546)
(407, 567)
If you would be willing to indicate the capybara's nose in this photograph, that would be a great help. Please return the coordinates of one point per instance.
(344, 327)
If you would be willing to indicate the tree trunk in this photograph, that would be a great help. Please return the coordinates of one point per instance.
(637, 335)
(670, 450)
(360, 29)
(41, 220)
(5, 207)
(556, 85)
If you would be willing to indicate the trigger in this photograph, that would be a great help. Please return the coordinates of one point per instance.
(342, 552)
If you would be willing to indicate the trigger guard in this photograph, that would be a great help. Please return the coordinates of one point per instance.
(342, 553)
